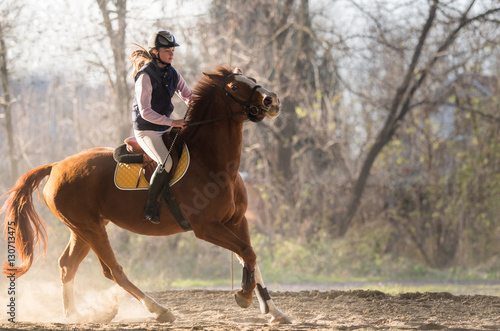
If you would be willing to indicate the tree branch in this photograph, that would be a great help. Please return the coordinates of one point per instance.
(402, 100)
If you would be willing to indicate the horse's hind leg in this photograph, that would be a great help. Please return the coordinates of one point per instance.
(267, 305)
(99, 242)
(75, 252)
(69, 262)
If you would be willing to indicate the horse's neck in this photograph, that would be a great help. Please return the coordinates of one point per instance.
(219, 145)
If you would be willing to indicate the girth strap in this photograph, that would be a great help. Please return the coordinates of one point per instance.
(174, 208)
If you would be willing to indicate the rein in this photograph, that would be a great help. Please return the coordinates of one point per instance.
(215, 119)
(248, 109)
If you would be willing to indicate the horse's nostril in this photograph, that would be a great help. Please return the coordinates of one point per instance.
(268, 101)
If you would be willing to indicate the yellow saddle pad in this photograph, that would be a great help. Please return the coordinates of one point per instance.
(130, 176)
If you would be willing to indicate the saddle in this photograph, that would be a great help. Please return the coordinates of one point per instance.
(131, 152)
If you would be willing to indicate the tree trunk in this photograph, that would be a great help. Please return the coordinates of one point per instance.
(117, 42)
(6, 103)
(291, 81)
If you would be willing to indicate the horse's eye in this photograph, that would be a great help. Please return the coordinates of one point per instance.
(234, 87)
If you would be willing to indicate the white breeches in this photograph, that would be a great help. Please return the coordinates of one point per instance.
(152, 143)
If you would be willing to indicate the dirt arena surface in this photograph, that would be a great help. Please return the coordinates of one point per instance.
(308, 310)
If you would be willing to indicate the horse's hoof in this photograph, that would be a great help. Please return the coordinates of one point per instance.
(100, 316)
(242, 300)
(74, 318)
(165, 317)
(281, 319)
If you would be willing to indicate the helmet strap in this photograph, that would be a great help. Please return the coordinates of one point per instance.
(157, 58)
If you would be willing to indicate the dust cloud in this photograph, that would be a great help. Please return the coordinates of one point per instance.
(39, 300)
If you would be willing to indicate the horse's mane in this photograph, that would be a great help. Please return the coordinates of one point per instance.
(204, 94)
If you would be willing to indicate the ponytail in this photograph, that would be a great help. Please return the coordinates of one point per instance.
(139, 58)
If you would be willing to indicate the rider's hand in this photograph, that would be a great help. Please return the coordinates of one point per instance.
(179, 123)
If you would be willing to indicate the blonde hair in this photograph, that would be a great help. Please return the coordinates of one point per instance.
(139, 58)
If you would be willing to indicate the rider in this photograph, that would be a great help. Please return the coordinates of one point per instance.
(156, 81)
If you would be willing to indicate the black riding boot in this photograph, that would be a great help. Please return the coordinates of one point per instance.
(157, 182)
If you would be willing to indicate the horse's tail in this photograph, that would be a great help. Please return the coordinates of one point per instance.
(24, 229)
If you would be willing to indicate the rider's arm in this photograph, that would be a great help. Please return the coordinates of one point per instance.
(183, 90)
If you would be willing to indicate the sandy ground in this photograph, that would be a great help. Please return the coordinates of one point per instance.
(308, 310)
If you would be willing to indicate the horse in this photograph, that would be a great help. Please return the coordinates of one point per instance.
(80, 191)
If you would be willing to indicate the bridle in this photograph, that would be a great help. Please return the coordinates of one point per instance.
(249, 110)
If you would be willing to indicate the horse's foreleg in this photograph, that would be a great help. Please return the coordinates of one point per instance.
(234, 236)
(244, 296)
(75, 252)
(267, 305)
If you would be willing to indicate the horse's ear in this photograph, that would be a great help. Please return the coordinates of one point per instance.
(237, 70)
(217, 78)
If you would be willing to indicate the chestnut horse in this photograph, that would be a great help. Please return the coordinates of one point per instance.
(81, 192)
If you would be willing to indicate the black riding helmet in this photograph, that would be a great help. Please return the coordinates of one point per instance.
(161, 38)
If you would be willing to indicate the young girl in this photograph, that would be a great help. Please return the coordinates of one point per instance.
(156, 81)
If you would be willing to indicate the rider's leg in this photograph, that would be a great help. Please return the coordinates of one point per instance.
(152, 143)
(156, 184)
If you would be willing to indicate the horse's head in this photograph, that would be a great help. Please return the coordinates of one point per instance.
(256, 101)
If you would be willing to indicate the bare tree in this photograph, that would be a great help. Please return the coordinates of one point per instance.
(114, 18)
(7, 100)
(278, 44)
(418, 69)
(7, 105)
